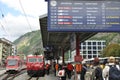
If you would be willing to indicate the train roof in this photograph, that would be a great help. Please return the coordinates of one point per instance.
(31, 56)
(13, 57)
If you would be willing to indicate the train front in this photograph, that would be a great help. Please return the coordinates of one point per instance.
(12, 65)
(35, 66)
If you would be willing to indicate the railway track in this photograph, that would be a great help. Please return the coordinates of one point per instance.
(3, 74)
(18, 74)
(35, 78)
(22, 75)
(8, 76)
(32, 77)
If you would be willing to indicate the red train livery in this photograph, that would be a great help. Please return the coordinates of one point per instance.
(13, 64)
(35, 65)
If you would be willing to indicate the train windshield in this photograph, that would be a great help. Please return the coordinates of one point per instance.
(32, 60)
(40, 59)
(12, 62)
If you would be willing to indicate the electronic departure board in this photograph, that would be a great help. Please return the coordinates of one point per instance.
(77, 15)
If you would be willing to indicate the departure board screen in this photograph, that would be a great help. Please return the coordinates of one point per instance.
(78, 15)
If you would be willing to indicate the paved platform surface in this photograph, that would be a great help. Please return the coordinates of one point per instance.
(25, 76)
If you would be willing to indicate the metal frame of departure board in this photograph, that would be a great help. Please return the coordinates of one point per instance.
(84, 16)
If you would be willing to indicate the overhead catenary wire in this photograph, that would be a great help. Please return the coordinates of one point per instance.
(3, 20)
(4, 29)
(2, 14)
(25, 15)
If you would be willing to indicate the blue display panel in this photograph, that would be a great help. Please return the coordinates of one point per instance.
(76, 15)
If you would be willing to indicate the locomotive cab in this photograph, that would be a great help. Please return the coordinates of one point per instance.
(35, 66)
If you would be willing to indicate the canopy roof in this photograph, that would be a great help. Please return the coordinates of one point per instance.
(59, 39)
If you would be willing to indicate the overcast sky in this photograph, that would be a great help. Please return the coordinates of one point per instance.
(18, 17)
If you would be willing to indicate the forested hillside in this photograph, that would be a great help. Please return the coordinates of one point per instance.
(29, 42)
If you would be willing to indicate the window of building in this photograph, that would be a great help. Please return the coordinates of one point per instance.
(84, 47)
(99, 52)
(94, 47)
(84, 43)
(99, 47)
(94, 52)
(103, 43)
(89, 52)
(89, 56)
(94, 43)
(80, 47)
(94, 56)
(99, 56)
(99, 43)
(89, 47)
(89, 43)
(84, 52)
(84, 56)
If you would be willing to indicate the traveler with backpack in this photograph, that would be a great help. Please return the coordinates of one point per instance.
(111, 70)
(78, 69)
(97, 74)
(84, 69)
(94, 73)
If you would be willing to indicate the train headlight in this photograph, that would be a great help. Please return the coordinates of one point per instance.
(41, 65)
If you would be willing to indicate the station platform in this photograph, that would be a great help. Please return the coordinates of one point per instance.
(52, 77)
(2, 71)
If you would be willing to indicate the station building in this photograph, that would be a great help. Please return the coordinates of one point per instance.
(90, 49)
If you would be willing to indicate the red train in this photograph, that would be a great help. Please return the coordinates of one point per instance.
(13, 64)
(35, 65)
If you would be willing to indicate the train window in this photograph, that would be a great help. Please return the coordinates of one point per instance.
(12, 62)
(40, 59)
(32, 60)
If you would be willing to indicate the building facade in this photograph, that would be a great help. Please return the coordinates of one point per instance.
(5, 49)
(90, 49)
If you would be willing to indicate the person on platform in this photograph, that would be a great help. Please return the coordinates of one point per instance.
(47, 68)
(84, 69)
(69, 70)
(111, 63)
(56, 68)
(98, 69)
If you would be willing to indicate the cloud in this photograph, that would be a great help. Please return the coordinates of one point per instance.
(16, 26)
(31, 7)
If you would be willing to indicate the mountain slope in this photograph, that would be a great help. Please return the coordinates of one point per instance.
(109, 37)
(29, 42)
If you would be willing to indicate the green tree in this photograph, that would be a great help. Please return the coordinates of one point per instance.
(112, 50)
